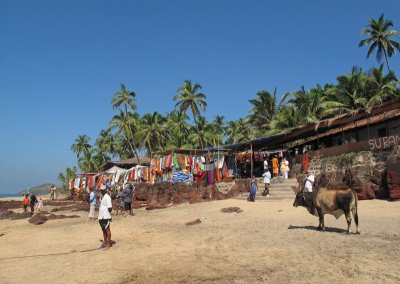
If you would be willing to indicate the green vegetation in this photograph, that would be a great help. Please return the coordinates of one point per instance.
(380, 38)
(129, 133)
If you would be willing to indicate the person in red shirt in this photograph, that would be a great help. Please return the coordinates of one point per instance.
(25, 202)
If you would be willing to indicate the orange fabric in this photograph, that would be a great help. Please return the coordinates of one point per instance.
(217, 177)
(275, 165)
(306, 158)
(26, 201)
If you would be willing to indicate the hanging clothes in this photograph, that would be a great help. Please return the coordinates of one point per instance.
(77, 183)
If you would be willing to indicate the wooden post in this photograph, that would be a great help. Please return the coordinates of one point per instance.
(251, 160)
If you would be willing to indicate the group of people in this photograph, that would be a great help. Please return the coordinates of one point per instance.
(281, 167)
(32, 201)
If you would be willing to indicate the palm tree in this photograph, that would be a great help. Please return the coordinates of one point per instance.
(124, 123)
(81, 145)
(126, 98)
(380, 87)
(380, 38)
(307, 103)
(176, 122)
(199, 138)
(287, 117)
(100, 157)
(238, 131)
(190, 98)
(69, 174)
(107, 143)
(349, 94)
(264, 109)
(152, 131)
(217, 131)
(87, 163)
(63, 180)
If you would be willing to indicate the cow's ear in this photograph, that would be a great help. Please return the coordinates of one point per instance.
(296, 189)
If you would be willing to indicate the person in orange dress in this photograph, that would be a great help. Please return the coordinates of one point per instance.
(306, 159)
(275, 167)
(25, 202)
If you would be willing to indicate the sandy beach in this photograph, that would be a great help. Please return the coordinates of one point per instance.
(269, 242)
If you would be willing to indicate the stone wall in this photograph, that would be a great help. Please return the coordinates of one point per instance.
(164, 194)
(370, 174)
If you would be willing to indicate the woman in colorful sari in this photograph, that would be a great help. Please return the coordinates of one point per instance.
(253, 189)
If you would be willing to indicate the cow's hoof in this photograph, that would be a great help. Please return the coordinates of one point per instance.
(319, 229)
(348, 233)
(358, 233)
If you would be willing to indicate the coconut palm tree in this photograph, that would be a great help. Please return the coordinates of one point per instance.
(264, 109)
(380, 38)
(349, 94)
(199, 138)
(287, 117)
(87, 163)
(107, 143)
(189, 97)
(176, 122)
(216, 131)
(124, 98)
(307, 103)
(81, 145)
(381, 87)
(64, 178)
(61, 177)
(238, 131)
(152, 132)
(125, 123)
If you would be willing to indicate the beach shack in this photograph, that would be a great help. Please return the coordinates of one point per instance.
(191, 165)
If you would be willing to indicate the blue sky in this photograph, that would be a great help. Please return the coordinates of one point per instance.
(61, 62)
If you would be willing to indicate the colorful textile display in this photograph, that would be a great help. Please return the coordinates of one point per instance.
(182, 176)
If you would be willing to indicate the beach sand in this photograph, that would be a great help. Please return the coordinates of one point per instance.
(269, 242)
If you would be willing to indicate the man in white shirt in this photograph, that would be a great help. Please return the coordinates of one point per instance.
(309, 183)
(105, 216)
(265, 164)
(267, 181)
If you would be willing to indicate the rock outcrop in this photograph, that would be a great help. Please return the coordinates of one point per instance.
(164, 194)
(370, 174)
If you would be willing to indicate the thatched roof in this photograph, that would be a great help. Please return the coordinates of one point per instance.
(344, 122)
(144, 161)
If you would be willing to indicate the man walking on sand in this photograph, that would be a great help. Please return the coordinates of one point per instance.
(127, 193)
(105, 216)
(32, 202)
(53, 192)
(267, 180)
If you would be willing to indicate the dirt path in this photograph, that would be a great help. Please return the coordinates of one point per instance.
(268, 242)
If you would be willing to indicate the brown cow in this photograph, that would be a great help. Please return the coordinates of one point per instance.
(335, 202)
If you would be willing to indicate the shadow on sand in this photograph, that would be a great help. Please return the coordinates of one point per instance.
(314, 228)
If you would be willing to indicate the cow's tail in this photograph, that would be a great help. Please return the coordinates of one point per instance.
(355, 212)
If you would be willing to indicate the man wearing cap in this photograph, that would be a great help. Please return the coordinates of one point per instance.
(105, 216)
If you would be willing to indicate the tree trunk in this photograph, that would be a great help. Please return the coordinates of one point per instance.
(133, 139)
(198, 131)
(387, 62)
